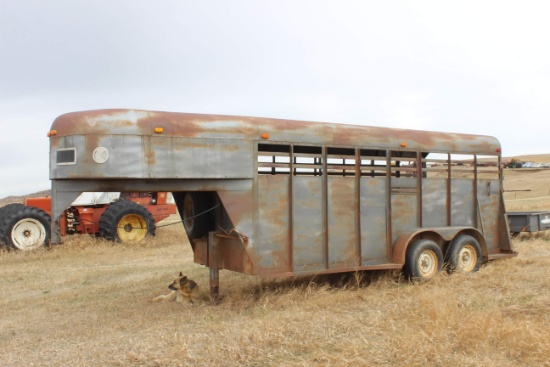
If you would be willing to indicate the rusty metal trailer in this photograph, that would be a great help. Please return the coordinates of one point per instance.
(275, 198)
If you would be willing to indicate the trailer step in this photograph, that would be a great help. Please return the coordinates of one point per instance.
(502, 255)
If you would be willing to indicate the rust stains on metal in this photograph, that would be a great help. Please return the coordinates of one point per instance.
(189, 125)
(150, 157)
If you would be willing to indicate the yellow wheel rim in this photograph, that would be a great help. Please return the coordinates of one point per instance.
(427, 264)
(131, 228)
(467, 259)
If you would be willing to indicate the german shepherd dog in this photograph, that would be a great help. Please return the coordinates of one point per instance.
(181, 289)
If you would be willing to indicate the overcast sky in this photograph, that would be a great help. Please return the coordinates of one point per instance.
(480, 67)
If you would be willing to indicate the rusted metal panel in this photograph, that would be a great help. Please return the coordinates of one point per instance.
(308, 229)
(403, 205)
(200, 253)
(209, 158)
(434, 202)
(373, 221)
(137, 122)
(341, 222)
(447, 142)
(132, 156)
(239, 205)
(273, 222)
(463, 203)
(488, 197)
(224, 252)
(236, 256)
(504, 240)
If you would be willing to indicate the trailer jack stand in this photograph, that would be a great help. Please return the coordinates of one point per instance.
(214, 264)
(214, 285)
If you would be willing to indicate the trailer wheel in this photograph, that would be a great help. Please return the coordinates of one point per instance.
(197, 220)
(126, 221)
(424, 259)
(464, 254)
(24, 227)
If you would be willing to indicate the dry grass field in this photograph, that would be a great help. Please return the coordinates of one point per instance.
(86, 303)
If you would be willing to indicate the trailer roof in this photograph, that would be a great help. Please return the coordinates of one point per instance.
(173, 124)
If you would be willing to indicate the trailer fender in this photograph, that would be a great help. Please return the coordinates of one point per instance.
(442, 236)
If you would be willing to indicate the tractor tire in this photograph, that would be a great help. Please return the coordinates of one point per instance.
(24, 227)
(126, 221)
(5, 208)
(197, 219)
(423, 260)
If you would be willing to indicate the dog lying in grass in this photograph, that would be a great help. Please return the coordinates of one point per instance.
(182, 289)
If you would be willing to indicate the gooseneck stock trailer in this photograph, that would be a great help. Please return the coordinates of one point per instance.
(275, 198)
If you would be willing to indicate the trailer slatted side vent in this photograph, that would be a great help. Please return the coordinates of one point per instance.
(66, 156)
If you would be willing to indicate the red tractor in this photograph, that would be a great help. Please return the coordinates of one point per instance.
(124, 217)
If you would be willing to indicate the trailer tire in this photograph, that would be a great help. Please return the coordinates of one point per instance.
(423, 260)
(24, 227)
(463, 254)
(126, 221)
(197, 220)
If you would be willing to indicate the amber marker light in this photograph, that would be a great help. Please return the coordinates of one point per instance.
(403, 144)
(265, 136)
(159, 130)
(52, 133)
